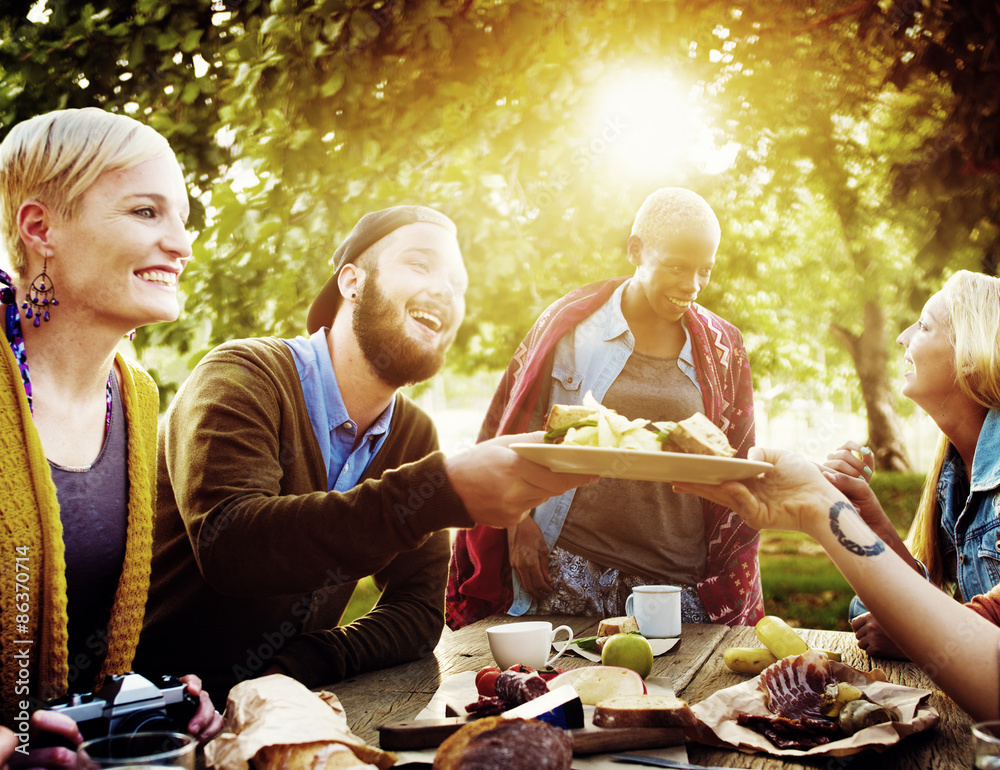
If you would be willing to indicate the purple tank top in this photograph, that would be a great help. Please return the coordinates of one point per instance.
(93, 507)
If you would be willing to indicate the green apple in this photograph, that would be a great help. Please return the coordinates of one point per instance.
(628, 651)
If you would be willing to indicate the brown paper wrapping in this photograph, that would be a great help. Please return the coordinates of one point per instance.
(277, 710)
(717, 717)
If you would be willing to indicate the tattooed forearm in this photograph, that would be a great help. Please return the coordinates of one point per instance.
(835, 526)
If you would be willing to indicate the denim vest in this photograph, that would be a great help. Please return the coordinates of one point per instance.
(970, 514)
(589, 359)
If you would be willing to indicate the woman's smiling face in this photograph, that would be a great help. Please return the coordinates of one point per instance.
(672, 274)
(930, 356)
(122, 254)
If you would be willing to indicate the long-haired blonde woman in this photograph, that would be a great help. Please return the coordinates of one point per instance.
(953, 374)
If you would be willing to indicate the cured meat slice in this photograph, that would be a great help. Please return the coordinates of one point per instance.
(515, 687)
(792, 733)
(793, 687)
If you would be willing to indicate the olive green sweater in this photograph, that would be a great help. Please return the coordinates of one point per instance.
(254, 560)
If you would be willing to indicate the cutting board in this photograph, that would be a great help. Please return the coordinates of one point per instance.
(429, 733)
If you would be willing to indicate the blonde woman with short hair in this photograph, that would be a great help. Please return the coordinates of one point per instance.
(93, 207)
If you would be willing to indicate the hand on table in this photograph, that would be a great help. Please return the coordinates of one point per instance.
(873, 640)
(529, 557)
(499, 487)
(206, 722)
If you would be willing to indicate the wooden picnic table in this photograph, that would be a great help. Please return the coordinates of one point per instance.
(696, 669)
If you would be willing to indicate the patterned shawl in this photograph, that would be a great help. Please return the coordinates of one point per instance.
(479, 580)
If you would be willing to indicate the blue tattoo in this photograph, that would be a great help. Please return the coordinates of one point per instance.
(861, 550)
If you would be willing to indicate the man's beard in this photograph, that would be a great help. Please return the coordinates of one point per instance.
(394, 357)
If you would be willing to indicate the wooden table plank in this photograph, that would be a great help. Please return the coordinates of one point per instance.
(698, 644)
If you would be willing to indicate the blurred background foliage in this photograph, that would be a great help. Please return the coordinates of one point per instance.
(850, 149)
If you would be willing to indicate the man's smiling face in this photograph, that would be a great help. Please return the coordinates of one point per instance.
(411, 303)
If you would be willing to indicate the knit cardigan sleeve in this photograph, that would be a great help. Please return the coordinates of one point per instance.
(404, 625)
(33, 619)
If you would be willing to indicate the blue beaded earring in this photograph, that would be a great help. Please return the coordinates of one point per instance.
(41, 297)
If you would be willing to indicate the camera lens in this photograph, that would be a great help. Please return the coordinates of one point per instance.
(145, 721)
(123, 750)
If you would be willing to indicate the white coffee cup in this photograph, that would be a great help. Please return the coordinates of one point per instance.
(657, 610)
(527, 643)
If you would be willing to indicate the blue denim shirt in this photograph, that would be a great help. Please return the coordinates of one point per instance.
(589, 359)
(969, 529)
(970, 513)
(335, 430)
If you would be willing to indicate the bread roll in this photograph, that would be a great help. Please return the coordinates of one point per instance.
(626, 624)
(643, 711)
(506, 744)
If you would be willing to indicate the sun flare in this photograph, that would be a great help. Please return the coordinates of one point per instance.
(649, 124)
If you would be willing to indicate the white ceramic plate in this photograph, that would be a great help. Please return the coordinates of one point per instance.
(640, 466)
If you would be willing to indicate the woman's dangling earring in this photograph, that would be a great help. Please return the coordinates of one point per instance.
(41, 296)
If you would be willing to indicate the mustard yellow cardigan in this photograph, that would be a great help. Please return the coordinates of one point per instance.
(31, 545)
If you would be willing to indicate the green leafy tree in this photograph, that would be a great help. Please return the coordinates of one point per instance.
(295, 117)
(820, 133)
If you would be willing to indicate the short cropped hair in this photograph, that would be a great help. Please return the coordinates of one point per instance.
(973, 301)
(673, 211)
(55, 158)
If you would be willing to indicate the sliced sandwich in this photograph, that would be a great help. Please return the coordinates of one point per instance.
(695, 435)
(562, 417)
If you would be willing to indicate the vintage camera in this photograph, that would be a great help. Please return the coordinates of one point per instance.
(128, 704)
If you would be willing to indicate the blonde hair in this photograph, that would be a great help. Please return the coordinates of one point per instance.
(973, 302)
(54, 158)
(673, 210)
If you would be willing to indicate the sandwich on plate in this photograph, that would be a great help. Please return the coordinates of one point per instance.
(592, 424)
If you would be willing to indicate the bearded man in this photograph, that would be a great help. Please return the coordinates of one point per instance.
(290, 469)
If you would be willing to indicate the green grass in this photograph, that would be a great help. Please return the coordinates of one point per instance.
(899, 494)
(800, 582)
(364, 598)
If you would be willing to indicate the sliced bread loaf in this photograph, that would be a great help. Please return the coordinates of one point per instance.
(626, 624)
(643, 711)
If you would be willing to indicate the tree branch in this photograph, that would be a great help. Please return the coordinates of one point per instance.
(844, 336)
(826, 21)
